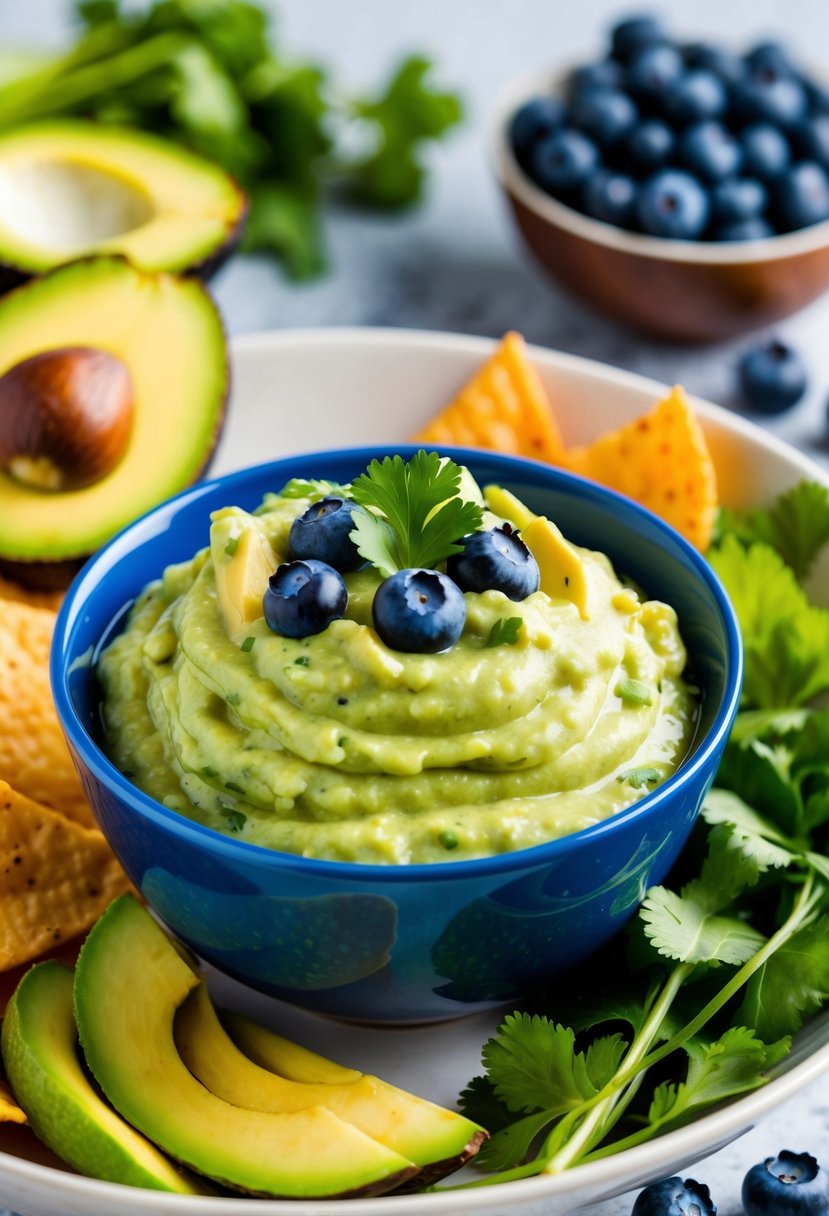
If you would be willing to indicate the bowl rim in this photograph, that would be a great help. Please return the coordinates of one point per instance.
(105, 771)
(517, 183)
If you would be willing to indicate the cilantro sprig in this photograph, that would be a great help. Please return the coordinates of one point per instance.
(415, 515)
(724, 964)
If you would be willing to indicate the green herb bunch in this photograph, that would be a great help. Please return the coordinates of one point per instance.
(207, 74)
(726, 962)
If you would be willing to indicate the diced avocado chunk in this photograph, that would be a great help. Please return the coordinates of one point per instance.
(436, 1139)
(560, 567)
(130, 1049)
(243, 561)
(40, 1056)
(505, 504)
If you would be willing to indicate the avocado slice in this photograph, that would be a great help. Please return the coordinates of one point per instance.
(40, 1055)
(70, 188)
(243, 562)
(435, 1139)
(168, 333)
(129, 981)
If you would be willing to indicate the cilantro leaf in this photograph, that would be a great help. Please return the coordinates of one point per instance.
(786, 638)
(688, 926)
(479, 1102)
(753, 835)
(511, 1144)
(796, 525)
(421, 508)
(505, 631)
(404, 115)
(733, 1064)
(533, 1065)
(790, 985)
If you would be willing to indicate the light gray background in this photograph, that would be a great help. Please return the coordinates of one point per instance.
(455, 264)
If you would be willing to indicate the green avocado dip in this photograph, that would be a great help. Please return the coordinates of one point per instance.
(546, 716)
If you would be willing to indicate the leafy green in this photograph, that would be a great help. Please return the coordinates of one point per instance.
(786, 639)
(422, 515)
(726, 960)
(796, 525)
(645, 774)
(505, 631)
(210, 75)
(301, 487)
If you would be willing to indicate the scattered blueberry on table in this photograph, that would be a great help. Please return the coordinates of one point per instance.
(772, 377)
(790, 1183)
(683, 141)
(673, 1197)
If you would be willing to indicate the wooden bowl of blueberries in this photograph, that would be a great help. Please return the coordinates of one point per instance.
(681, 188)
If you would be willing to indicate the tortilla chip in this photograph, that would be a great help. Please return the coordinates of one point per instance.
(10, 1112)
(503, 407)
(33, 754)
(56, 877)
(662, 461)
(26, 595)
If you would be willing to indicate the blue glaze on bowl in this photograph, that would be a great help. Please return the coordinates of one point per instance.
(397, 943)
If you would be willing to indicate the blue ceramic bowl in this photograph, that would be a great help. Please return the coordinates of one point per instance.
(397, 943)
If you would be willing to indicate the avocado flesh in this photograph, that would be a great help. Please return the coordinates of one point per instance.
(129, 981)
(71, 188)
(40, 1046)
(169, 334)
(425, 1133)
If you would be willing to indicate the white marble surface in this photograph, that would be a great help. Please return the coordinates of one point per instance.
(455, 264)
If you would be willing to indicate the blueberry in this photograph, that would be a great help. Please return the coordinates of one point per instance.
(755, 229)
(604, 74)
(788, 1183)
(710, 151)
(651, 70)
(673, 204)
(633, 33)
(419, 611)
(723, 63)
(802, 196)
(817, 96)
(606, 115)
(649, 145)
(766, 151)
(535, 120)
(673, 1197)
(303, 598)
(811, 139)
(609, 196)
(495, 560)
(772, 377)
(761, 97)
(324, 532)
(770, 59)
(742, 198)
(696, 95)
(564, 161)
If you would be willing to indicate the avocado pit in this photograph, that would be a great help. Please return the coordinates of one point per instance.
(65, 417)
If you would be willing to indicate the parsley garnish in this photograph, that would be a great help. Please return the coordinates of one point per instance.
(236, 820)
(505, 631)
(302, 661)
(233, 787)
(233, 699)
(232, 545)
(247, 644)
(421, 513)
(637, 777)
(209, 773)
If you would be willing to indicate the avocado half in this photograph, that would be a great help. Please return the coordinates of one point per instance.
(168, 334)
(72, 188)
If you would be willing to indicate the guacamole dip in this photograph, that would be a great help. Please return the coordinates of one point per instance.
(546, 716)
